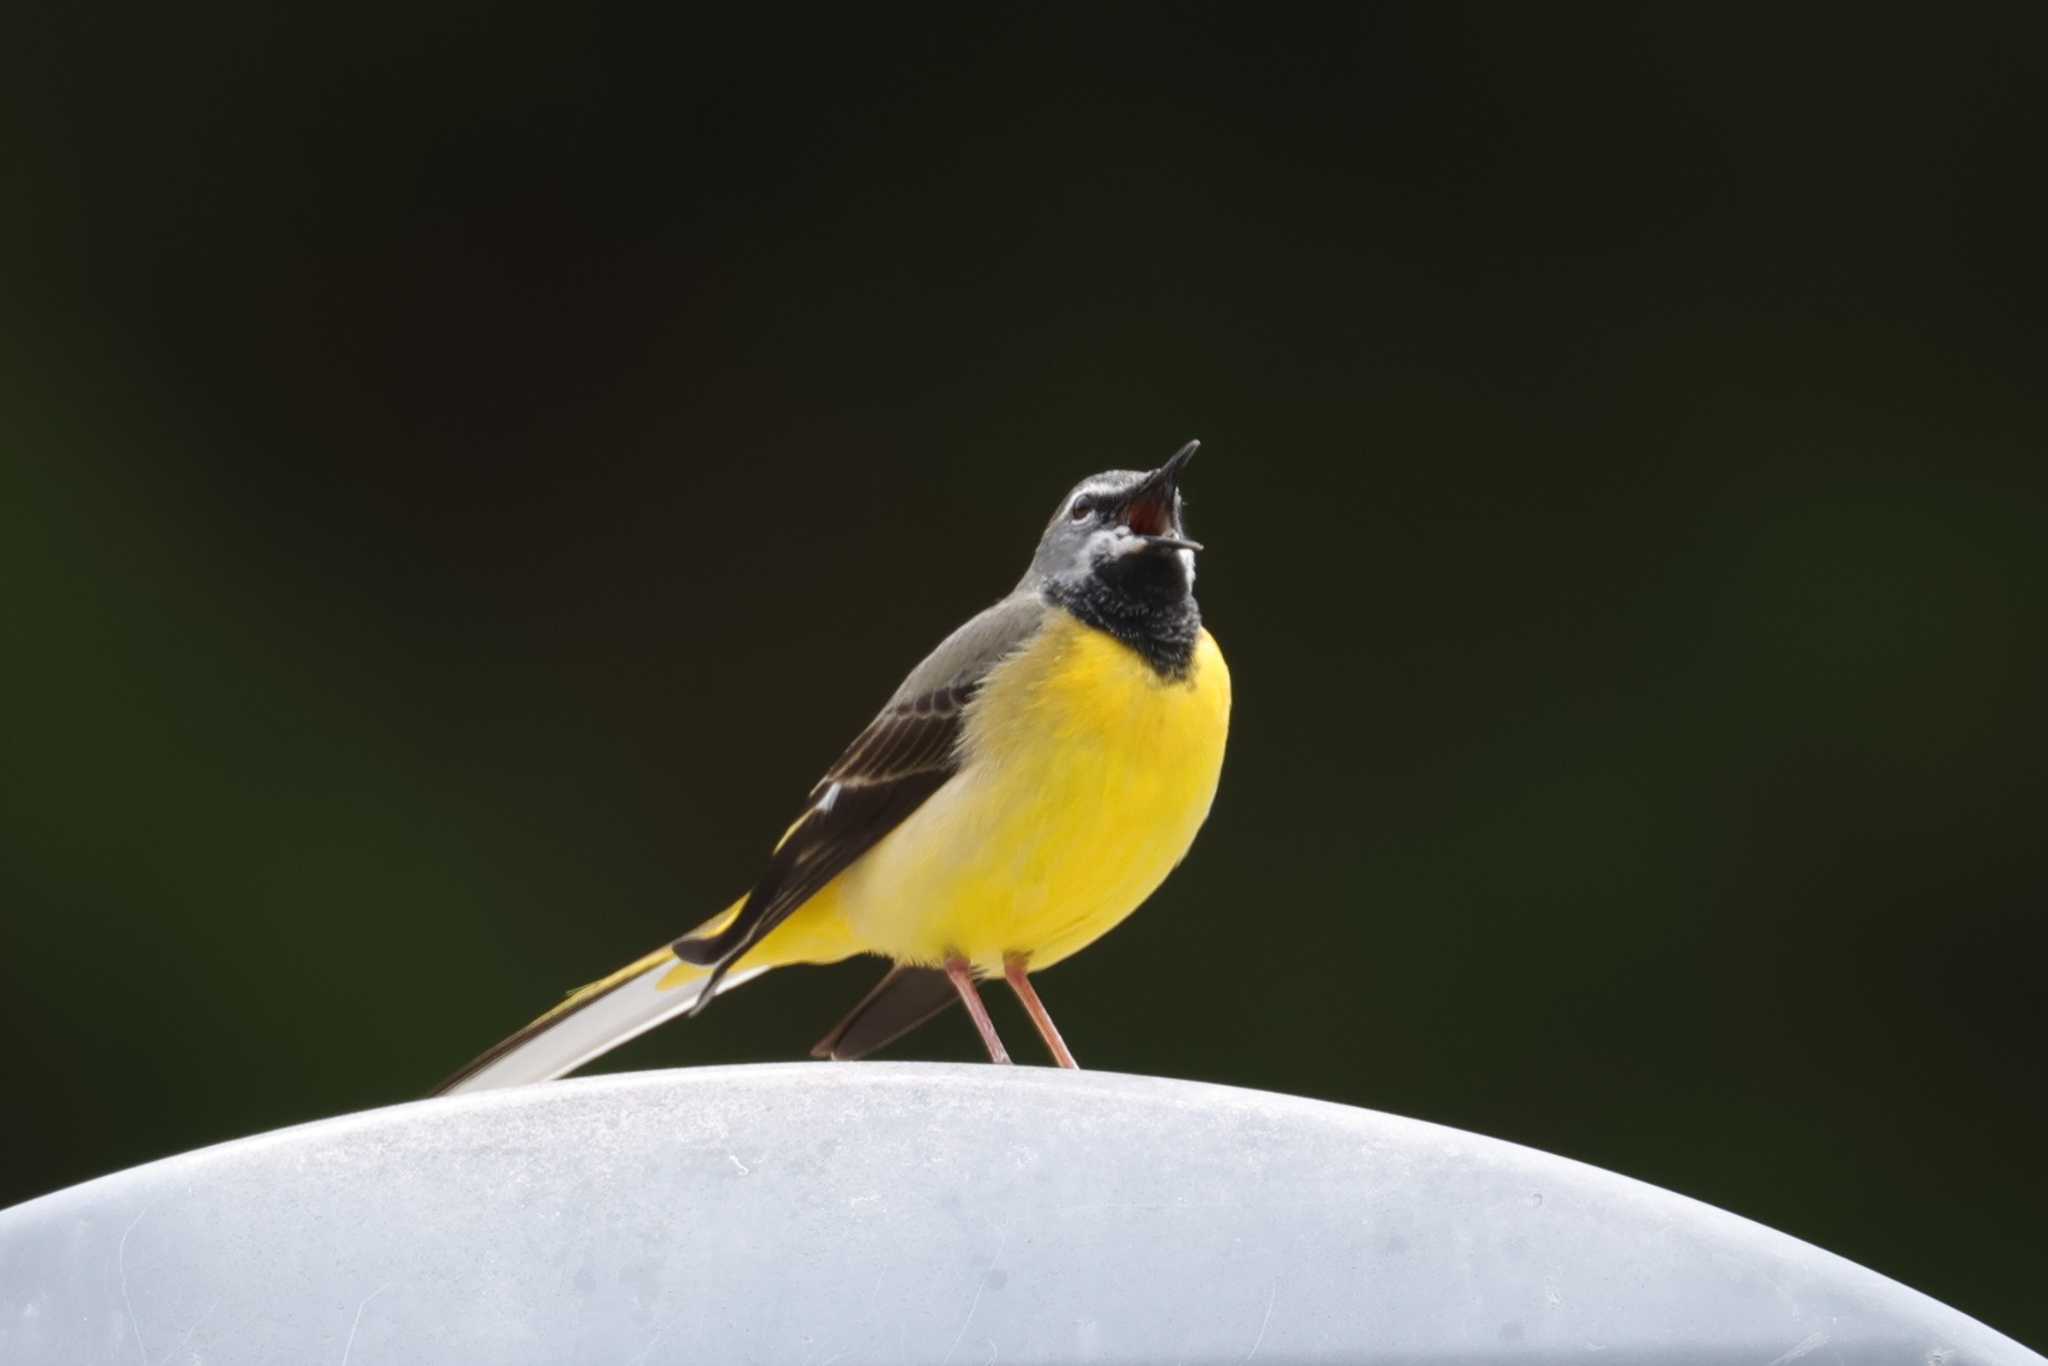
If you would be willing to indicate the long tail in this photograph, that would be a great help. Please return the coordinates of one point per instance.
(597, 1018)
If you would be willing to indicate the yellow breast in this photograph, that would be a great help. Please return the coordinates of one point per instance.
(1086, 778)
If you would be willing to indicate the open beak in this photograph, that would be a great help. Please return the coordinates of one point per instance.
(1151, 508)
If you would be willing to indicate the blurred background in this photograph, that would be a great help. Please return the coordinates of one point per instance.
(463, 477)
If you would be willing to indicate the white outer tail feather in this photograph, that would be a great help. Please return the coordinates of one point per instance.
(592, 1029)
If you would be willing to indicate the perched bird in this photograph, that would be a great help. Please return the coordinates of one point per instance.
(1032, 781)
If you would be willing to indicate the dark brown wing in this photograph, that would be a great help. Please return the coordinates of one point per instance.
(906, 754)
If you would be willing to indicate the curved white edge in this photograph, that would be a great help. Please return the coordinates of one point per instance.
(920, 1212)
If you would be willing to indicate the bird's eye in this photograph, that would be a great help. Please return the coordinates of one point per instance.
(1082, 507)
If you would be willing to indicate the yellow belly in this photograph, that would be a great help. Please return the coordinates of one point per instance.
(1088, 776)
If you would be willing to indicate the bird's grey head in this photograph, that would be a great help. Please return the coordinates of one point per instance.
(1120, 529)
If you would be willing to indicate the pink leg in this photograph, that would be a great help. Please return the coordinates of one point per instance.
(1020, 982)
(962, 978)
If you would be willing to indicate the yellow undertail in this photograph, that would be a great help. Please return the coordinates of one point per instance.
(814, 934)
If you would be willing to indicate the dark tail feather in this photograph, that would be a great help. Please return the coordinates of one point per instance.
(900, 1002)
(708, 950)
(718, 951)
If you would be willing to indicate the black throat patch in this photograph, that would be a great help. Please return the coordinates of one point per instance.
(1143, 601)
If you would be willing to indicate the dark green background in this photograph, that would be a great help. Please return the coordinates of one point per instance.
(464, 477)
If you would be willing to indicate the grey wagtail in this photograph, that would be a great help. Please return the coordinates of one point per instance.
(1032, 781)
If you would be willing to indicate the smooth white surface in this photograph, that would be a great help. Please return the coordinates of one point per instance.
(901, 1212)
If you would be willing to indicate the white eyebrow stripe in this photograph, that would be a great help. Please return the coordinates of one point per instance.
(825, 802)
